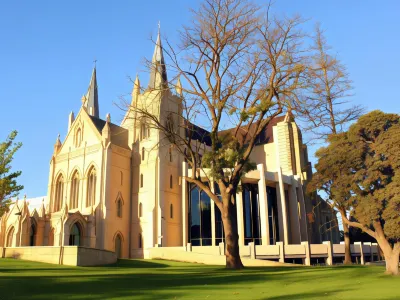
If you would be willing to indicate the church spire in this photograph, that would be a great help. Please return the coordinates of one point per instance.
(92, 99)
(135, 90)
(158, 72)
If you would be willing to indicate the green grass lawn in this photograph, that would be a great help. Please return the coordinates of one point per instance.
(140, 279)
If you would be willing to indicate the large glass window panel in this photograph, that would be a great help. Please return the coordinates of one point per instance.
(251, 214)
(200, 217)
(194, 217)
(272, 215)
(247, 213)
(219, 226)
(205, 219)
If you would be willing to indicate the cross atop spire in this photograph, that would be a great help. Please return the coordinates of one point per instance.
(158, 72)
(92, 99)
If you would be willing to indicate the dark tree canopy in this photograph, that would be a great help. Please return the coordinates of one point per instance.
(360, 172)
(9, 187)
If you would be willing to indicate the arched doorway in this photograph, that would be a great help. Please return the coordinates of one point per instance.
(118, 246)
(10, 237)
(32, 235)
(75, 235)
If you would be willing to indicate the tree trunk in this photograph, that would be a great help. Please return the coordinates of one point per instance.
(391, 256)
(229, 219)
(347, 251)
(392, 263)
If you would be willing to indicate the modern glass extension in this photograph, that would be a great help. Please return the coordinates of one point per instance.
(200, 221)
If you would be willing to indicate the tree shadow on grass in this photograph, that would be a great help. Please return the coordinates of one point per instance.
(139, 279)
(308, 295)
(133, 263)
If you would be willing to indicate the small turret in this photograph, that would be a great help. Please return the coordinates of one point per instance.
(106, 132)
(178, 87)
(135, 91)
(71, 120)
(57, 145)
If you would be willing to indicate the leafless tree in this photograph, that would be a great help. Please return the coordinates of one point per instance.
(329, 110)
(239, 68)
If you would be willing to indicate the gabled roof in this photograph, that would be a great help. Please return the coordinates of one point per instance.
(119, 135)
(265, 137)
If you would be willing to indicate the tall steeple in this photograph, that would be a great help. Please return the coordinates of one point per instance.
(158, 72)
(91, 102)
(135, 91)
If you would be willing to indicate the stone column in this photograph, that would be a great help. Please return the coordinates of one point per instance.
(307, 259)
(185, 198)
(252, 247)
(263, 201)
(303, 216)
(362, 258)
(329, 259)
(282, 211)
(221, 248)
(239, 212)
(281, 251)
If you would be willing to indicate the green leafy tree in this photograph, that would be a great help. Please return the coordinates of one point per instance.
(360, 169)
(333, 174)
(9, 187)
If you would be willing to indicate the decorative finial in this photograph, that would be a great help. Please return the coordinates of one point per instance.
(95, 61)
(159, 25)
(58, 136)
(108, 118)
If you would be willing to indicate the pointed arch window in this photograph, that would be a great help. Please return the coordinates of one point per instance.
(75, 235)
(143, 152)
(171, 211)
(119, 208)
(140, 242)
(32, 235)
(122, 177)
(118, 246)
(170, 154)
(74, 191)
(140, 210)
(141, 180)
(170, 182)
(78, 138)
(59, 193)
(91, 197)
(10, 237)
(144, 130)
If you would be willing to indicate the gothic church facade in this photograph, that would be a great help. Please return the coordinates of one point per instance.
(110, 188)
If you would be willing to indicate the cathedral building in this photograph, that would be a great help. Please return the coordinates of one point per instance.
(110, 187)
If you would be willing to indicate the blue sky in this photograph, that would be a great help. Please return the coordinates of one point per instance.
(47, 50)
